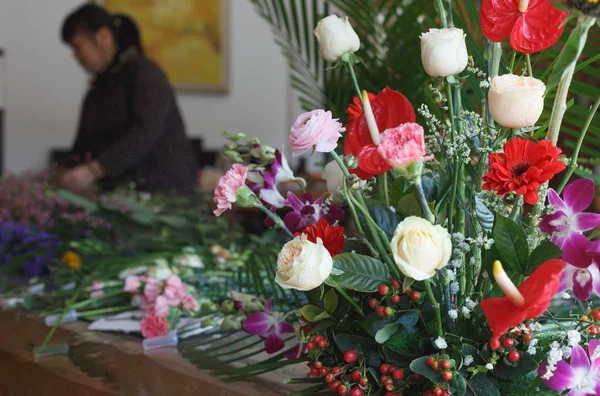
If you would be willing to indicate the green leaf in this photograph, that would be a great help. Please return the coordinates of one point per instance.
(420, 367)
(469, 350)
(409, 320)
(386, 332)
(545, 251)
(385, 219)
(459, 382)
(484, 215)
(373, 323)
(360, 344)
(173, 221)
(511, 243)
(482, 386)
(78, 200)
(397, 190)
(312, 313)
(361, 273)
(409, 206)
(526, 365)
(330, 301)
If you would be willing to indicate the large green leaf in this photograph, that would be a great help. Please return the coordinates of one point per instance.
(511, 243)
(358, 272)
(482, 386)
(545, 251)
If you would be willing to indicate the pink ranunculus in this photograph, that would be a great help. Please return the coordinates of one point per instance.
(132, 284)
(316, 129)
(225, 193)
(154, 326)
(190, 303)
(403, 145)
(161, 306)
(152, 289)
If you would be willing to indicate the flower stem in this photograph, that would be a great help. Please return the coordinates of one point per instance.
(278, 222)
(384, 183)
(347, 297)
(64, 311)
(354, 80)
(103, 311)
(573, 162)
(455, 160)
(423, 201)
(436, 307)
(514, 213)
(529, 69)
(442, 13)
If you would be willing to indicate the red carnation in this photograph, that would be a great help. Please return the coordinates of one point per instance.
(537, 291)
(533, 25)
(332, 236)
(523, 167)
(390, 109)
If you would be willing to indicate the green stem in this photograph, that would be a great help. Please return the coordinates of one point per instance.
(347, 297)
(512, 62)
(103, 311)
(423, 200)
(383, 180)
(455, 160)
(436, 307)
(354, 80)
(64, 311)
(278, 222)
(442, 13)
(573, 162)
(514, 213)
(529, 69)
(448, 305)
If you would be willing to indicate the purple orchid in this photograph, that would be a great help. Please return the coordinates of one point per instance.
(269, 326)
(307, 211)
(569, 218)
(582, 273)
(264, 183)
(296, 352)
(581, 377)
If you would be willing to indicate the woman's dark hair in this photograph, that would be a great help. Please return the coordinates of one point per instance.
(89, 18)
(128, 34)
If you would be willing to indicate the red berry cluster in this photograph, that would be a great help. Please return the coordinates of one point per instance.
(318, 341)
(344, 388)
(441, 364)
(392, 293)
(507, 346)
(389, 375)
(593, 330)
(437, 391)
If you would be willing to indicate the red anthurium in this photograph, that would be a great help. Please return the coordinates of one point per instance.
(390, 109)
(332, 236)
(527, 302)
(533, 25)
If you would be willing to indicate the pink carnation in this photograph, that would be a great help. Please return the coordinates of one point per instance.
(225, 193)
(132, 284)
(161, 307)
(403, 145)
(175, 291)
(190, 303)
(316, 129)
(154, 326)
(152, 289)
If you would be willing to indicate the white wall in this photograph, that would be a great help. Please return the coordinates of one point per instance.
(45, 85)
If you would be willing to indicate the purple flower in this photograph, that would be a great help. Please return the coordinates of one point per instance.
(581, 273)
(306, 211)
(569, 218)
(269, 326)
(18, 240)
(298, 351)
(582, 376)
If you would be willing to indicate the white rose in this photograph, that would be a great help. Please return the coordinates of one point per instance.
(420, 248)
(160, 270)
(334, 177)
(336, 37)
(302, 264)
(515, 101)
(444, 52)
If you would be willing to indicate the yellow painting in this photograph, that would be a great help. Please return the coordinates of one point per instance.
(187, 38)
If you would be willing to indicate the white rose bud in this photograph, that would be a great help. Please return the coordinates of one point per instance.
(336, 37)
(303, 265)
(334, 177)
(515, 101)
(420, 248)
(444, 52)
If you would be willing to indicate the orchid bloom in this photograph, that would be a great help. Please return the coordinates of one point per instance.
(269, 326)
(307, 211)
(569, 218)
(264, 183)
(581, 377)
(528, 301)
(582, 273)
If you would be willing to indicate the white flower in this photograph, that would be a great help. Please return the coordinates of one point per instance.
(444, 52)
(531, 349)
(440, 343)
(161, 270)
(420, 248)
(515, 101)
(537, 327)
(336, 37)
(302, 264)
(489, 366)
(468, 360)
(565, 296)
(466, 312)
(189, 260)
(454, 287)
(574, 337)
(334, 177)
(453, 313)
(566, 351)
(470, 303)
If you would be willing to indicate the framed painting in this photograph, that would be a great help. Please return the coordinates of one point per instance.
(187, 38)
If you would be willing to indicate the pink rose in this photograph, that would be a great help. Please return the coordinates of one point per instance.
(225, 193)
(132, 284)
(190, 303)
(315, 129)
(154, 326)
(161, 307)
(403, 145)
(152, 289)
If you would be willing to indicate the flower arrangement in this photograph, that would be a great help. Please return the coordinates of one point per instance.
(462, 259)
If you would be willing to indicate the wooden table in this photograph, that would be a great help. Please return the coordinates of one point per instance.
(120, 359)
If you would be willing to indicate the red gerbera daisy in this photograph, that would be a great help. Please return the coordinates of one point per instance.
(390, 109)
(523, 167)
(536, 292)
(332, 236)
(533, 25)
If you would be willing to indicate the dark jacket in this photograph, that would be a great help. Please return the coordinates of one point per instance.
(130, 123)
